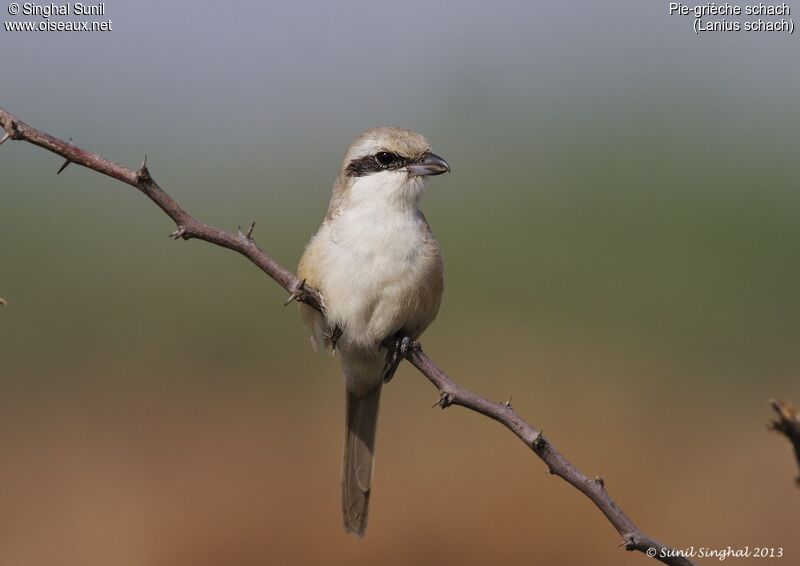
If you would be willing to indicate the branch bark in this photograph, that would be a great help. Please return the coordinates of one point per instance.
(450, 393)
(788, 424)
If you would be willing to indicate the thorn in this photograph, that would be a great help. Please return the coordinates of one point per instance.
(249, 235)
(5, 138)
(295, 295)
(599, 481)
(444, 401)
(784, 409)
(508, 403)
(142, 174)
(787, 422)
(179, 233)
(66, 163)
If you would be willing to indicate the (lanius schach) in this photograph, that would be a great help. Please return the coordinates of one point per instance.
(379, 269)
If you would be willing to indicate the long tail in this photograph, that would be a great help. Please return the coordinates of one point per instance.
(359, 455)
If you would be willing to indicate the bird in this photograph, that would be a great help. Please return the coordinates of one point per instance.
(379, 270)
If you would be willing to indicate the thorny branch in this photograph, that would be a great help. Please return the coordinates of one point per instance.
(451, 393)
(788, 424)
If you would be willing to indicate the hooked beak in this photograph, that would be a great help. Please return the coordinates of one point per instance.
(429, 164)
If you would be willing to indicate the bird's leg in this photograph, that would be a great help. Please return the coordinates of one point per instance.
(333, 337)
(401, 344)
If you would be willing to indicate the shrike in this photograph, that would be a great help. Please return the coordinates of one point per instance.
(379, 270)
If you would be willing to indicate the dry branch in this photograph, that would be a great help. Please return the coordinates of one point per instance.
(450, 392)
(788, 424)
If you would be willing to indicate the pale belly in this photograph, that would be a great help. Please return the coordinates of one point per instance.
(380, 277)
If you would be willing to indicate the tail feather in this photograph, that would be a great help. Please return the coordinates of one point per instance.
(359, 455)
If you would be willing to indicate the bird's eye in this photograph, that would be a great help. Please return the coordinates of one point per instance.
(385, 158)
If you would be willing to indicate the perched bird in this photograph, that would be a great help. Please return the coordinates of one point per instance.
(379, 269)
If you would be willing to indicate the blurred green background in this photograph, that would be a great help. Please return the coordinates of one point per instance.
(620, 233)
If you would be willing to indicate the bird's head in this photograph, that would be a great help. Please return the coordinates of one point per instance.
(387, 165)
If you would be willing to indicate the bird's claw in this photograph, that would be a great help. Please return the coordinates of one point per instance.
(402, 344)
(333, 337)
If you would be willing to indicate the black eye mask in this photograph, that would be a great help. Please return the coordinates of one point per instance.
(381, 161)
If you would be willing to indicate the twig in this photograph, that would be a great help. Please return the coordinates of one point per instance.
(450, 392)
(787, 424)
(187, 227)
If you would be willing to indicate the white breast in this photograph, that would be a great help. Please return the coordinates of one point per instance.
(376, 250)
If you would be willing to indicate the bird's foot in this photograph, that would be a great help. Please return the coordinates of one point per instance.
(332, 338)
(401, 344)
